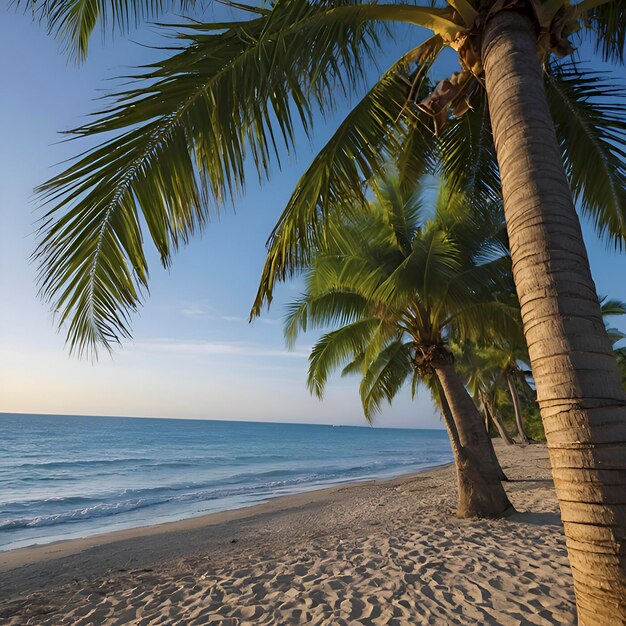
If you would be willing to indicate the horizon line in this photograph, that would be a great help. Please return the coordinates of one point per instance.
(209, 419)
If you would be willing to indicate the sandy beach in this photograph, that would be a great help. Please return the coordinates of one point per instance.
(388, 552)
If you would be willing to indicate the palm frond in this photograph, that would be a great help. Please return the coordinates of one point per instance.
(612, 306)
(344, 272)
(473, 284)
(384, 377)
(468, 157)
(478, 228)
(336, 349)
(355, 366)
(337, 179)
(73, 21)
(402, 208)
(615, 335)
(485, 322)
(432, 262)
(606, 27)
(333, 308)
(588, 112)
(183, 137)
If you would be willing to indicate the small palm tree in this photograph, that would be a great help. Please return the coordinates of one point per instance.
(483, 380)
(506, 358)
(400, 286)
(611, 307)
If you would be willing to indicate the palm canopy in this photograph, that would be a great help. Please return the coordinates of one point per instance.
(73, 21)
(182, 134)
(399, 284)
(485, 367)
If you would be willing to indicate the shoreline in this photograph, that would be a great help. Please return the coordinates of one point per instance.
(37, 553)
(41, 553)
(375, 552)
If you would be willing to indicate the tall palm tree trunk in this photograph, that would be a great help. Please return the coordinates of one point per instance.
(519, 420)
(582, 403)
(480, 491)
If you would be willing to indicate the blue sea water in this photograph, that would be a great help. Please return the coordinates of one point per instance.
(63, 476)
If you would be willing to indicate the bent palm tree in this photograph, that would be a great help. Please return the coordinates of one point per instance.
(399, 286)
(237, 88)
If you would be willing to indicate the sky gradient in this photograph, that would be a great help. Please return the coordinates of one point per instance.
(194, 353)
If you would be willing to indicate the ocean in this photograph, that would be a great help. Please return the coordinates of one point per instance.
(64, 477)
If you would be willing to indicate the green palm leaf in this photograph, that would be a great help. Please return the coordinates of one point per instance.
(468, 157)
(612, 306)
(232, 91)
(589, 120)
(385, 376)
(336, 349)
(432, 262)
(485, 322)
(333, 308)
(73, 21)
(404, 211)
(358, 151)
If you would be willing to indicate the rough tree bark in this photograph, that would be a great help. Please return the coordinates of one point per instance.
(481, 493)
(583, 405)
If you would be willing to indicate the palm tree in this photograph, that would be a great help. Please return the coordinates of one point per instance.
(483, 378)
(505, 357)
(180, 138)
(399, 286)
(612, 307)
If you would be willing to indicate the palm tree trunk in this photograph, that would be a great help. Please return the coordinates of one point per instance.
(488, 415)
(497, 420)
(462, 462)
(519, 421)
(582, 403)
(480, 491)
(448, 420)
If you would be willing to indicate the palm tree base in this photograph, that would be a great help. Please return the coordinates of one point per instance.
(479, 496)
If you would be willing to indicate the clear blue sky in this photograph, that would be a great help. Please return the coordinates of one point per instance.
(193, 353)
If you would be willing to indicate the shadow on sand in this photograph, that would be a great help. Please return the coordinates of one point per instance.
(536, 519)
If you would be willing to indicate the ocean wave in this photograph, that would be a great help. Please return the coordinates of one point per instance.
(74, 515)
(129, 500)
(81, 463)
(147, 462)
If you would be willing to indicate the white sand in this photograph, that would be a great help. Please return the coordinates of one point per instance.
(372, 553)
